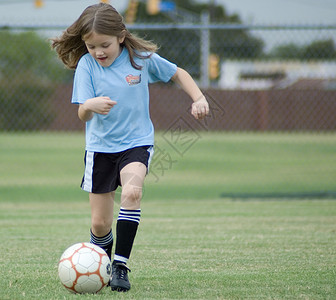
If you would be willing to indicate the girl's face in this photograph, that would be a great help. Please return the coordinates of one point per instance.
(103, 48)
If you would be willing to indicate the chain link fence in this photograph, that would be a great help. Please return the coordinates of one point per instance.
(256, 78)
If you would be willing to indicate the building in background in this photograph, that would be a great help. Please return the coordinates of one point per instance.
(258, 75)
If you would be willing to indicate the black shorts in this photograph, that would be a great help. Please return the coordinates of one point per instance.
(102, 170)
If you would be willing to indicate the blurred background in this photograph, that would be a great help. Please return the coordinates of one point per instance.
(268, 70)
(265, 66)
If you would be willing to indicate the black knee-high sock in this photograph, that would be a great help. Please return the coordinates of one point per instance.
(127, 225)
(105, 242)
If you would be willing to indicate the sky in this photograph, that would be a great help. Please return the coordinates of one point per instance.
(290, 12)
(263, 12)
(257, 12)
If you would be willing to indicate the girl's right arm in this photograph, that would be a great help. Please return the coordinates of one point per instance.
(99, 105)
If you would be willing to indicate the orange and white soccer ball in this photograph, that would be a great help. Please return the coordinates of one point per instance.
(84, 268)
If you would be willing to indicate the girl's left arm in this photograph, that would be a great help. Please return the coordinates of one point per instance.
(200, 107)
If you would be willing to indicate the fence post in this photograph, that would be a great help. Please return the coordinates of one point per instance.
(205, 50)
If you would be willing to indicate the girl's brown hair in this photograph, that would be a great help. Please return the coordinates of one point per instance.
(104, 19)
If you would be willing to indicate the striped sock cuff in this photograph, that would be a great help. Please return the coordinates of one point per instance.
(120, 258)
(129, 215)
(101, 241)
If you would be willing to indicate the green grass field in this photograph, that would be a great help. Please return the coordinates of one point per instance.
(191, 243)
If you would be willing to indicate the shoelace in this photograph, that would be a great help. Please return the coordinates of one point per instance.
(121, 271)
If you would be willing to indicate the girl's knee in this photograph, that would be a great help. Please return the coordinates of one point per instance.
(100, 227)
(131, 196)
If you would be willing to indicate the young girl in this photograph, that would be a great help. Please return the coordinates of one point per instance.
(113, 70)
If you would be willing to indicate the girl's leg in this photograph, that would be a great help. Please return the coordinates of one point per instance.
(132, 179)
(101, 220)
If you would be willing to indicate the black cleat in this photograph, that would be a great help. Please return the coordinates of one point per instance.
(119, 280)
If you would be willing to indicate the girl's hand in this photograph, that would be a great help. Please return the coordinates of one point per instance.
(99, 105)
(200, 108)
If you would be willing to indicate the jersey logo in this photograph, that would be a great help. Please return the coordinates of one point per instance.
(133, 80)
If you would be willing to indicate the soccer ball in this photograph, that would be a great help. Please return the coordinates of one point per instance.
(84, 268)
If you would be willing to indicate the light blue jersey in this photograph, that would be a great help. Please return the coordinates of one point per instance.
(128, 123)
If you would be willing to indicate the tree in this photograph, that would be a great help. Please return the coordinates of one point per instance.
(28, 72)
(317, 50)
(288, 51)
(322, 49)
(177, 45)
